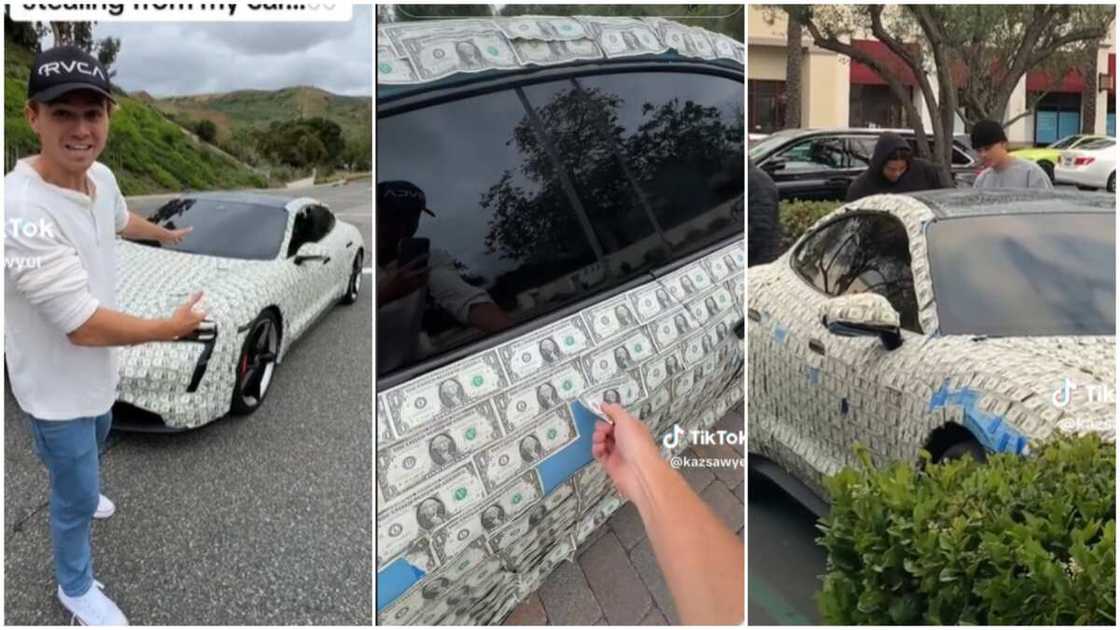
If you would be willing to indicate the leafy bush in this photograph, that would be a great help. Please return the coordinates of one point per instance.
(1017, 541)
(206, 130)
(797, 216)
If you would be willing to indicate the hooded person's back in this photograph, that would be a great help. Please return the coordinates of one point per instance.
(920, 174)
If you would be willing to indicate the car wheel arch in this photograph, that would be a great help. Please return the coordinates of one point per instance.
(945, 436)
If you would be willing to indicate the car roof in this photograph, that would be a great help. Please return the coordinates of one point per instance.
(956, 203)
(501, 27)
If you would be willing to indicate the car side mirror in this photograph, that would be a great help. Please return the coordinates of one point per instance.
(775, 164)
(309, 252)
(863, 315)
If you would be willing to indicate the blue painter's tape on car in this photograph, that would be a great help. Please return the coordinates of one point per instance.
(814, 376)
(780, 334)
(564, 463)
(990, 429)
(397, 578)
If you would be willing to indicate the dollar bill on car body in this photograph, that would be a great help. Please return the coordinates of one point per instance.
(672, 327)
(544, 27)
(604, 364)
(444, 391)
(546, 348)
(550, 53)
(687, 41)
(426, 509)
(623, 36)
(523, 524)
(395, 70)
(611, 317)
(519, 405)
(521, 451)
(440, 445)
(626, 390)
(440, 49)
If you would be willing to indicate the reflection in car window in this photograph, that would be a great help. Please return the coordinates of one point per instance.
(1025, 274)
(224, 228)
(546, 194)
(814, 154)
(861, 253)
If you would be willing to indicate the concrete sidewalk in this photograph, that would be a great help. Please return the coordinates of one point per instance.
(615, 579)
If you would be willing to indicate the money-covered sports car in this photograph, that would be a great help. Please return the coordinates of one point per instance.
(959, 322)
(267, 266)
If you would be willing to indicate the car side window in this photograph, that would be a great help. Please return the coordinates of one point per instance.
(545, 194)
(322, 222)
(301, 231)
(813, 155)
(861, 253)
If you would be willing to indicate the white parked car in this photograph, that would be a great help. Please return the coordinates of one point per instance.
(1092, 165)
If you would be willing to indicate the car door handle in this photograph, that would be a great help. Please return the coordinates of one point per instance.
(817, 346)
(754, 315)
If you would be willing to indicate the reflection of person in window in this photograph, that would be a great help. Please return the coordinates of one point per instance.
(442, 450)
(403, 291)
(547, 397)
(469, 55)
(550, 352)
(451, 394)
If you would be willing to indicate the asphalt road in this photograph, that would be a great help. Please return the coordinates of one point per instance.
(263, 519)
(784, 564)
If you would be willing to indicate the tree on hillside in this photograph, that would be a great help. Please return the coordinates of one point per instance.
(206, 130)
(976, 53)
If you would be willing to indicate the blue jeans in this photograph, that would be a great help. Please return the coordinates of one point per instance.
(71, 450)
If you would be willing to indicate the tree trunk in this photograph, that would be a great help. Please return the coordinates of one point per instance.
(793, 72)
(1089, 92)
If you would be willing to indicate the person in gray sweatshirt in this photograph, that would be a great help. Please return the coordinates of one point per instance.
(1003, 169)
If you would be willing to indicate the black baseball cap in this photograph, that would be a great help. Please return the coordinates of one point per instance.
(401, 196)
(64, 69)
(986, 133)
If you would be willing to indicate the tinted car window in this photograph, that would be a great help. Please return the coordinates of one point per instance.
(861, 253)
(1025, 274)
(1093, 145)
(682, 138)
(224, 228)
(814, 155)
(546, 194)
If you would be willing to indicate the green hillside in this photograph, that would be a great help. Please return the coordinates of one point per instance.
(147, 152)
(256, 109)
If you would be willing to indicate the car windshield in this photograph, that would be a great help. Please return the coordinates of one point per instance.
(1096, 144)
(1025, 275)
(1065, 142)
(763, 147)
(228, 229)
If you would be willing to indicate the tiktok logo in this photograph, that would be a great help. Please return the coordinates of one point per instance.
(672, 439)
(1061, 395)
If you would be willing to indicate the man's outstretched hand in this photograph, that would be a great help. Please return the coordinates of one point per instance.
(624, 449)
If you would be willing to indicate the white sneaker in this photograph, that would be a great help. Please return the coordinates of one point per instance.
(93, 608)
(105, 507)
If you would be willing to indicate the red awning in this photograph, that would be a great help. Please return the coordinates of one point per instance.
(1072, 83)
(860, 74)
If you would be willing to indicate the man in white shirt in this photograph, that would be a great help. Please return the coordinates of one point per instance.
(64, 211)
(403, 287)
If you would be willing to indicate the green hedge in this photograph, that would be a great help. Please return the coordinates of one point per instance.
(797, 216)
(1017, 541)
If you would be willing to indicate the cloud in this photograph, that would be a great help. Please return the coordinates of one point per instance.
(168, 59)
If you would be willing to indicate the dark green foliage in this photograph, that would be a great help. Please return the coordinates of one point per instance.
(797, 216)
(1017, 541)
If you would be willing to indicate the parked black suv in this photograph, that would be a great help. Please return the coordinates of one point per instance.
(820, 164)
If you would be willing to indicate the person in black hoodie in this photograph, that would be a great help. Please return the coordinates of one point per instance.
(764, 228)
(894, 169)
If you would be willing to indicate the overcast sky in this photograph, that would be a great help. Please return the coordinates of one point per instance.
(167, 59)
